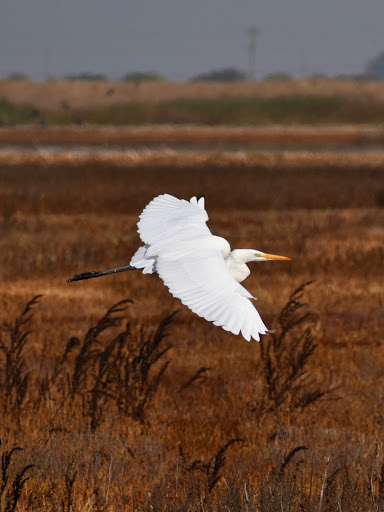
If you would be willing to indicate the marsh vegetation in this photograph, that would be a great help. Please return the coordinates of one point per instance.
(108, 404)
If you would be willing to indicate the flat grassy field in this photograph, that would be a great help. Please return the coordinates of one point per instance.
(64, 94)
(195, 136)
(249, 103)
(116, 413)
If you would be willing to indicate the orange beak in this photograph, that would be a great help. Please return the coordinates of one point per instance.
(275, 257)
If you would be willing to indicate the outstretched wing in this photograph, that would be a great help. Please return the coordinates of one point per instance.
(167, 219)
(191, 265)
(200, 278)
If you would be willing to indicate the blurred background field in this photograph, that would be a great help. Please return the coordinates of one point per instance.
(305, 101)
(214, 422)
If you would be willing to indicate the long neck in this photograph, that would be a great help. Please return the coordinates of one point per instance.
(236, 262)
(242, 255)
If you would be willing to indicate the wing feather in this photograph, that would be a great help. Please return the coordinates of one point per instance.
(200, 278)
(167, 219)
(181, 248)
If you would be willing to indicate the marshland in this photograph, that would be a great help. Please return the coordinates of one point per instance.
(116, 397)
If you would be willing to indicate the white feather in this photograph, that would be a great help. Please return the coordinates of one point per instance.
(192, 264)
(202, 280)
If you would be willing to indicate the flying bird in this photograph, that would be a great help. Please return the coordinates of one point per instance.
(198, 267)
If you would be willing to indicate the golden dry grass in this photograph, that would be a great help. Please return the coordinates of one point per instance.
(52, 93)
(58, 219)
(184, 134)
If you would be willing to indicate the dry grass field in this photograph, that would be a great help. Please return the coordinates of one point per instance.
(221, 136)
(112, 405)
(135, 410)
(310, 102)
(85, 94)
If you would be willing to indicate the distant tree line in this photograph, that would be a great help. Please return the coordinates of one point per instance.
(374, 70)
(217, 75)
(136, 77)
(221, 75)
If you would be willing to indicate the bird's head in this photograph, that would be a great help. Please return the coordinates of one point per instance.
(263, 256)
(248, 255)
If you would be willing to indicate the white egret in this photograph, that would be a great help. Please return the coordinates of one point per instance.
(198, 268)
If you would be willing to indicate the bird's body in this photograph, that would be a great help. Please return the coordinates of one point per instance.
(197, 267)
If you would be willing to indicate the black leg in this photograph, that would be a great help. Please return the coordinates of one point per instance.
(89, 275)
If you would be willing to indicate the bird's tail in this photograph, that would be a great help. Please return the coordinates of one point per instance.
(140, 260)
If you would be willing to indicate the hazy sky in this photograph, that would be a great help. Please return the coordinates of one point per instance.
(181, 38)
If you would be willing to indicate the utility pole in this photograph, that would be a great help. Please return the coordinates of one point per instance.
(252, 33)
(46, 63)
